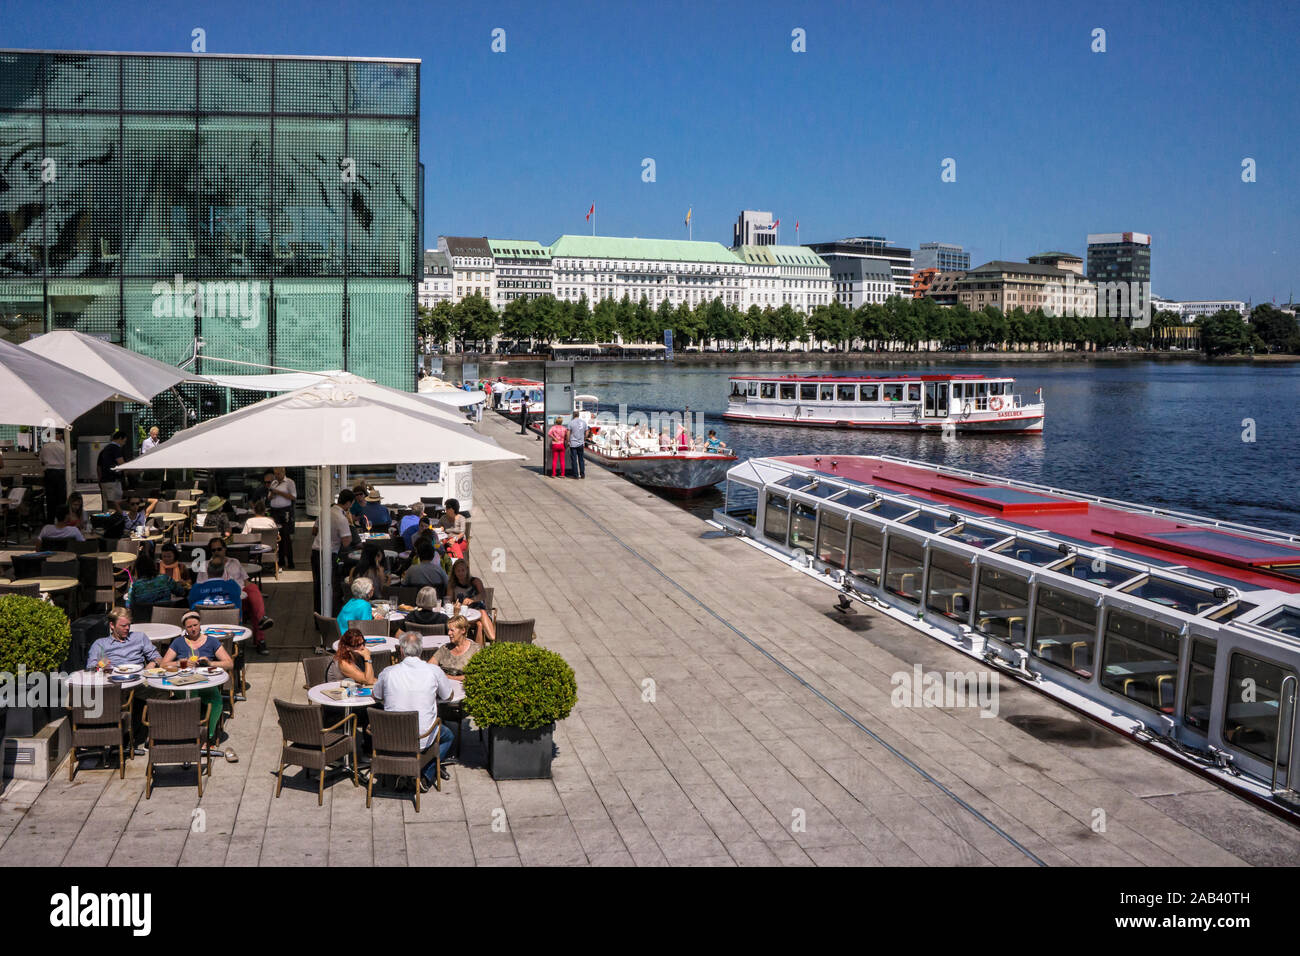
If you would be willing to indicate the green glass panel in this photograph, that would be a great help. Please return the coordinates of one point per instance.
(382, 213)
(309, 324)
(235, 195)
(20, 81)
(384, 88)
(22, 309)
(83, 231)
(158, 229)
(155, 322)
(309, 86)
(381, 331)
(20, 195)
(309, 197)
(158, 83)
(228, 84)
(235, 323)
(77, 81)
(85, 305)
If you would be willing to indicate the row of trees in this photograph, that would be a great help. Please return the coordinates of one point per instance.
(1269, 330)
(898, 324)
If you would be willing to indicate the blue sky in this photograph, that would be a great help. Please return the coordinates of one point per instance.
(1051, 140)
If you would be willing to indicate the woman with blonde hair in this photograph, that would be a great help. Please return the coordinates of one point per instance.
(456, 653)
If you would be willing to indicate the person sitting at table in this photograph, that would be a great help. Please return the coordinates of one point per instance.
(456, 653)
(359, 608)
(370, 565)
(169, 563)
(150, 585)
(77, 516)
(427, 570)
(413, 684)
(469, 590)
(375, 513)
(258, 521)
(215, 520)
(254, 605)
(410, 524)
(123, 645)
(352, 660)
(428, 609)
(63, 529)
(196, 649)
(136, 514)
(453, 523)
(356, 511)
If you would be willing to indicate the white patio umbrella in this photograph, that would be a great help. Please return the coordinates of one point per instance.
(344, 421)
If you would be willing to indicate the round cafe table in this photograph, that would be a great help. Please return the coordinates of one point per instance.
(237, 633)
(468, 613)
(389, 644)
(97, 679)
(122, 559)
(159, 633)
(209, 681)
(431, 642)
(317, 695)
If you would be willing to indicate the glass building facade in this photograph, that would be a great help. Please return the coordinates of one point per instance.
(267, 205)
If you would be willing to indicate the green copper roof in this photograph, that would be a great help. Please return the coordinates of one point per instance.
(780, 255)
(663, 250)
(518, 249)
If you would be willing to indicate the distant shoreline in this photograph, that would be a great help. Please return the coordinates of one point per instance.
(901, 358)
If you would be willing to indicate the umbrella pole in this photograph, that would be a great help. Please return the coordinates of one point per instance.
(325, 534)
(69, 469)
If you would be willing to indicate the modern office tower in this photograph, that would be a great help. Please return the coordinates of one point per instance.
(753, 229)
(943, 256)
(842, 256)
(1116, 258)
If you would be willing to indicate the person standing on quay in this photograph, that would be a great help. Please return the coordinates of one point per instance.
(54, 458)
(578, 444)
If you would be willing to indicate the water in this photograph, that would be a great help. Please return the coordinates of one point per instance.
(1158, 433)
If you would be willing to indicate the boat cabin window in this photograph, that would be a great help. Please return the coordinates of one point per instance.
(823, 489)
(737, 389)
(803, 527)
(1200, 686)
(846, 393)
(795, 482)
(831, 535)
(914, 392)
(864, 552)
(787, 391)
(893, 393)
(1232, 611)
(903, 567)
(742, 503)
(827, 392)
(889, 509)
(948, 592)
(1065, 630)
(767, 390)
(807, 393)
(1140, 660)
(1254, 698)
(1002, 605)
(776, 518)
(753, 389)
(929, 521)
(1180, 597)
(869, 393)
(1030, 552)
(997, 388)
(853, 499)
(1097, 571)
(975, 536)
(1285, 621)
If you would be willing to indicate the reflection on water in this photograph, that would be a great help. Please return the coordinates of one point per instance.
(1159, 433)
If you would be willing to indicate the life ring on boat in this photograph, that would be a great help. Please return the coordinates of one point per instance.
(967, 408)
(995, 403)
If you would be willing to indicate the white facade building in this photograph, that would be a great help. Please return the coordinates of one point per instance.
(784, 275)
(672, 270)
(472, 266)
(436, 283)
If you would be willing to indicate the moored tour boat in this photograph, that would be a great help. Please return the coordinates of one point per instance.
(966, 403)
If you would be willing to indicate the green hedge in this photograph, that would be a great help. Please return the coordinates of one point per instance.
(33, 634)
(518, 685)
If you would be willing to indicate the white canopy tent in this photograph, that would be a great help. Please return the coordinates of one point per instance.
(341, 421)
(274, 382)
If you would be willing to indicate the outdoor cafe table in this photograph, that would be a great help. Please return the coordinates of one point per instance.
(317, 695)
(121, 559)
(159, 633)
(95, 678)
(375, 643)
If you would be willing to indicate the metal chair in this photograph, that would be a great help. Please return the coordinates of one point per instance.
(107, 728)
(306, 742)
(395, 748)
(177, 732)
(314, 670)
(519, 632)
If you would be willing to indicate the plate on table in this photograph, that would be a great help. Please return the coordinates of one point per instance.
(128, 668)
(121, 678)
(210, 671)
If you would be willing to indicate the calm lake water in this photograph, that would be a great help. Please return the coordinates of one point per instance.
(1160, 433)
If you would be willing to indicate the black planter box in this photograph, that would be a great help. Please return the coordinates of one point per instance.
(28, 721)
(520, 754)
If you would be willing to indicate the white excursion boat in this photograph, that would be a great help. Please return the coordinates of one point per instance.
(966, 403)
(1179, 631)
(521, 390)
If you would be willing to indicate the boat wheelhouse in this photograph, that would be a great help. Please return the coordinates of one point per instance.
(1180, 631)
(521, 390)
(966, 403)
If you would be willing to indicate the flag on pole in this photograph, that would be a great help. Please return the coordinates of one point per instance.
(591, 212)
(775, 224)
(796, 225)
(688, 216)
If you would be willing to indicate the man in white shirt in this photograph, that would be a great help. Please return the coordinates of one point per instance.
(150, 443)
(498, 389)
(54, 458)
(62, 527)
(417, 685)
(279, 501)
(340, 536)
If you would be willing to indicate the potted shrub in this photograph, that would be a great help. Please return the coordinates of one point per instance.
(34, 638)
(517, 692)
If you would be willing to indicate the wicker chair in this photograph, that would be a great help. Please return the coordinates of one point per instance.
(379, 660)
(106, 729)
(520, 632)
(328, 630)
(32, 590)
(434, 629)
(270, 559)
(98, 584)
(29, 565)
(314, 670)
(163, 614)
(370, 628)
(395, 748)
(402, 594)
(309, 744)
(219, 615)
(177, 730)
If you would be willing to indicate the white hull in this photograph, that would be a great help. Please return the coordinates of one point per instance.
(900, 417)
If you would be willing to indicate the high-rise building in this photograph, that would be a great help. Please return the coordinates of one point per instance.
(753, 229)
(844, 255)
(1121, 259)
(266, 205)
(943, 256)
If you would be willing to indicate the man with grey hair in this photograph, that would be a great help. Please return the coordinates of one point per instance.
(413, 684)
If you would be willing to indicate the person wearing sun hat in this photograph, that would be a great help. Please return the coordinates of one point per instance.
(374, 511)
(214, 518)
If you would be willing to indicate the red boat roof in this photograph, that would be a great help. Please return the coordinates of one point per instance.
(525, 382)
(871, 378)
(1252, 560)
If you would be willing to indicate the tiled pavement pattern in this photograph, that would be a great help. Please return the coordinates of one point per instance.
(688, 745)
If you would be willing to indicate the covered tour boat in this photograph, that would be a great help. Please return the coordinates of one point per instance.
(966, 403)
(1180, 631)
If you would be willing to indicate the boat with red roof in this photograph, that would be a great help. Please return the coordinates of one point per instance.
(1180, 631)
(966, 403)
